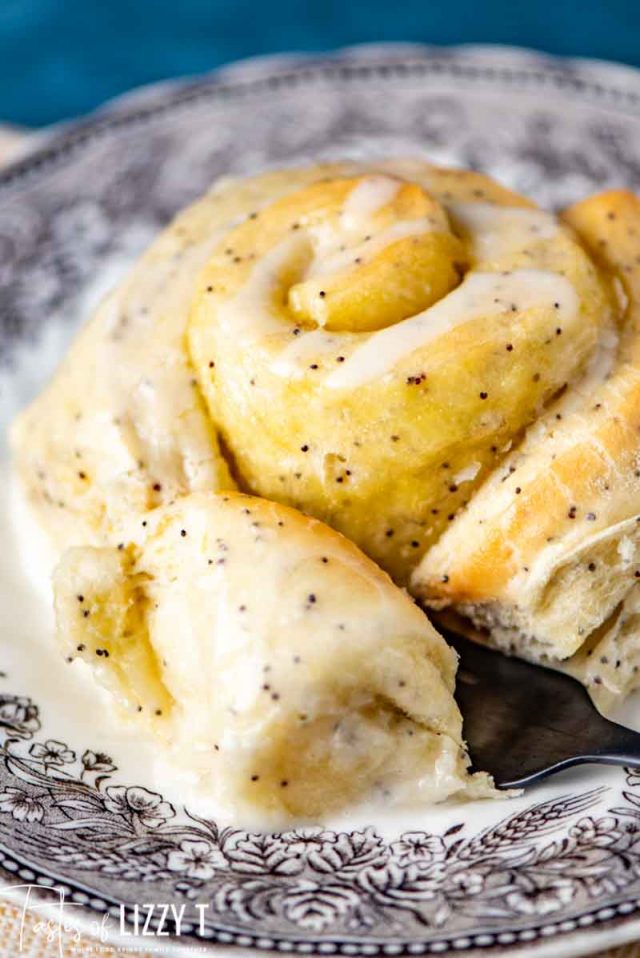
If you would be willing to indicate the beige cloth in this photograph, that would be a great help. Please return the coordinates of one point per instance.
(11, 142)
(31, 938)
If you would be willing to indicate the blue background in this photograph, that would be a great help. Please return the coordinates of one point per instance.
(63, 57)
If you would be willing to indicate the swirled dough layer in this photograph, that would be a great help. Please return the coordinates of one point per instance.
(369, 344)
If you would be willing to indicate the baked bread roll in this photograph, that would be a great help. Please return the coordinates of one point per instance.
(364, 343)
(286, 670)
(417, 356)
(547, 554)
(370, 344)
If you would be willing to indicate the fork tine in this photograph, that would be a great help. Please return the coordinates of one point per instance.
(523, 722)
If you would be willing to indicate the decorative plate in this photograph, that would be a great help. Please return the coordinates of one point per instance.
(556, 871)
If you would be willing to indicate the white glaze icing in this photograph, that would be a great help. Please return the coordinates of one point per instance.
(599, 368)
(369, 195)
(497, 231)
(250, 314)
(481, 295)
(468, 473)
(294, 360)
(326, 262)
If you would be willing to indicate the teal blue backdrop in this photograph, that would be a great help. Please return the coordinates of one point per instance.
(59, 58)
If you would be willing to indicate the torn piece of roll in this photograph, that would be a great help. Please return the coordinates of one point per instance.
(288, 672)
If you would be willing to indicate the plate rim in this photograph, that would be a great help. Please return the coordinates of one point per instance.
(269, 72)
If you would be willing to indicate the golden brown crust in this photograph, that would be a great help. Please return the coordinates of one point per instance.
(609, 226)
(549, 547)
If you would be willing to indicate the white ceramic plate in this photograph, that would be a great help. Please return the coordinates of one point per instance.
(554, 872)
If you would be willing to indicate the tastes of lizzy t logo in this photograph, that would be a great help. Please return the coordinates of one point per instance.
(48, 915)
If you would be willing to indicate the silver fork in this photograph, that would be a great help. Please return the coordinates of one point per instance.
(523, 722)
